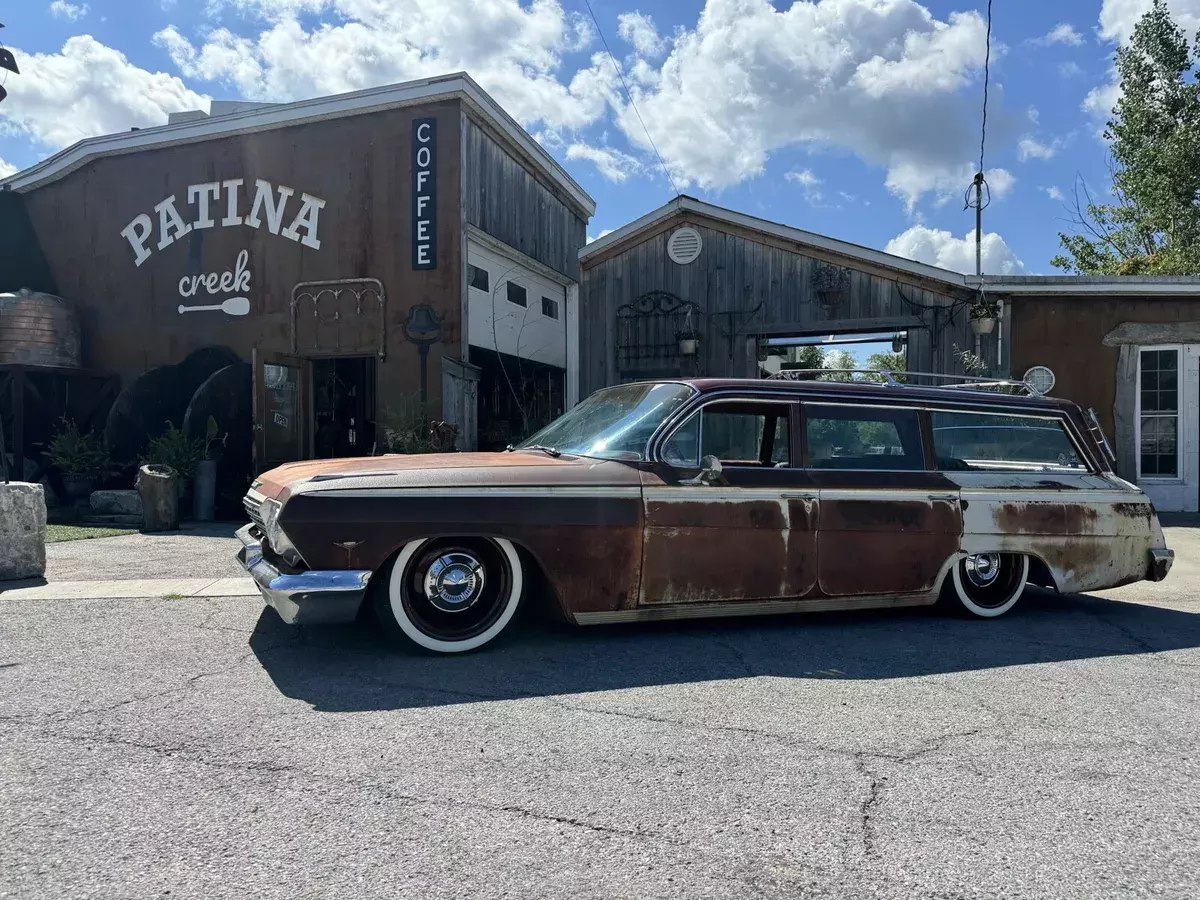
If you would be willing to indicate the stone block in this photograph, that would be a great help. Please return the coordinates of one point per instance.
(116, 503)
(22, 530)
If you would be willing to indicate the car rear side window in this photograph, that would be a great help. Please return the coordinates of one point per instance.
(863, 438)
(998, 443)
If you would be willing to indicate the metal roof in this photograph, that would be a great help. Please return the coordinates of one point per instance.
(455, 86)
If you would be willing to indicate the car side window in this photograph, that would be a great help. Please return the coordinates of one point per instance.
(738, 434)
(989, 442)
(863, 438)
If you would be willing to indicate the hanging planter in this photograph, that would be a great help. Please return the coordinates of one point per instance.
(689, 342)
(983, 324)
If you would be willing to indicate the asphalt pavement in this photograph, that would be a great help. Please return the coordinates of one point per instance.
(197, 747)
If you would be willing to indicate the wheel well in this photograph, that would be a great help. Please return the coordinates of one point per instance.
(539, 591)
(1039, 573)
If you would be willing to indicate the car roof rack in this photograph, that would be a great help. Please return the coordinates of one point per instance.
(890, 378)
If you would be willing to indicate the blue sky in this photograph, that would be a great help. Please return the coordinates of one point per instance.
(854, 118)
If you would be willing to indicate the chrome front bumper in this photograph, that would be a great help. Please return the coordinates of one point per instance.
(1160, 563)
(307, 598)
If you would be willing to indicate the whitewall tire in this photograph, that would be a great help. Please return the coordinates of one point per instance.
(988, 585)
(451, 595)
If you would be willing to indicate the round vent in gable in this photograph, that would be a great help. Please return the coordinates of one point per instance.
(684, 245)
(1040, 379)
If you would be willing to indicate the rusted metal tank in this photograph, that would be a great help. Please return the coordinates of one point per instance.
(38, 329)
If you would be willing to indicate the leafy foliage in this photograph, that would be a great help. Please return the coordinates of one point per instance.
(889, 362)
(173, 448)
(1153, 227)
(77, 452)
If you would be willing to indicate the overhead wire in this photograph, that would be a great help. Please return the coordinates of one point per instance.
(984, 197)
(629, 96)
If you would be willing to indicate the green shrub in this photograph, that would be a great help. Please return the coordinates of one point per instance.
(172, 448)
(78, 453)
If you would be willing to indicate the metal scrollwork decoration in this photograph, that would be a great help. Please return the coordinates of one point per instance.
(319, 294)
(652, 328)
(831, 284)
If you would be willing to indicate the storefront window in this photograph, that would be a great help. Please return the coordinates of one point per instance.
(1158, 413)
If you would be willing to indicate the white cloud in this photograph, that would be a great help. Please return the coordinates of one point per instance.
(639, 31)
(941, 248)
(1030, 147)
(946, 184)
(86, 89)
(600, 235)
(1033, 114)
(809, 182)
(1062, 33)
(1070, 69)
(1052, 192)
(886, 81)
(7, 168)
(513, 49)
(61, 9)
(613, 164)
(1117, 17)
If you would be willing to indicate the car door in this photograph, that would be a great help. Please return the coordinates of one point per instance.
(752, 536)
(888, 523)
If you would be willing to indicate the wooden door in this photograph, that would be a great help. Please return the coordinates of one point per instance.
(282, 413)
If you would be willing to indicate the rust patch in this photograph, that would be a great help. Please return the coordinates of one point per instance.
(857, 563)
(716, 514)
(1045, 518)
(916, 516)
(1132, 510)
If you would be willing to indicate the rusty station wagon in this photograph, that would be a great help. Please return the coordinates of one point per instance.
(676, 499)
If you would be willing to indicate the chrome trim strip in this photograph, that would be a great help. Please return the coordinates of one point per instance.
(1049, 495)
(312, 597)
(576, 492)
(752, 608)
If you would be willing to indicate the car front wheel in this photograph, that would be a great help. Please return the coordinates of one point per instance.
(450, 595)
(987, 584)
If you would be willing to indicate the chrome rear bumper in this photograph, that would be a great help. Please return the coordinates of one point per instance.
(1160, 563)
(307, 598)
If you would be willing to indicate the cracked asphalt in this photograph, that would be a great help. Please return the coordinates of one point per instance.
(199, 748)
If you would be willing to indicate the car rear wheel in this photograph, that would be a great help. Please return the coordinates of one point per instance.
(450, 595)
(987, 584)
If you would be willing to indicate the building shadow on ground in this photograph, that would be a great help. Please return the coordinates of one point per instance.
(351, 668)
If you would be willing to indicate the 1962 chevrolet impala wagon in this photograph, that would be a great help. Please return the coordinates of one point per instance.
(711, 498)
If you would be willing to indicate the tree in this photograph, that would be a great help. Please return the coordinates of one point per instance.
(1153, 227)
(839, 359)
(889, 362)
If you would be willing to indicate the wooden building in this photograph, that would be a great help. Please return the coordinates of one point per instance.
(359, 257)
(740, 285)
(1130, 349)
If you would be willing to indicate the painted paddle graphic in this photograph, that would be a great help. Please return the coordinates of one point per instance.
(234, 306)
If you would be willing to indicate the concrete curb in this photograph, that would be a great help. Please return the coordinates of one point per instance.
(133, 587)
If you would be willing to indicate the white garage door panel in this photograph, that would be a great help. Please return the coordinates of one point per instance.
(496, 324)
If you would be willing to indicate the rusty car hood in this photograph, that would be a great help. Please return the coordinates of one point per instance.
(434, 470)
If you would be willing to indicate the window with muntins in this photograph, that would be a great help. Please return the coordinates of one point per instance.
(997, 443)
(738, 434)
(478, 278)
(863, 438)
(517, 294)
(1158, 413)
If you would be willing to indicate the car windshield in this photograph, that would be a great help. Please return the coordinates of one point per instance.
(614, 423)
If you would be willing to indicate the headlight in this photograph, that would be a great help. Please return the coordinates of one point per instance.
(277, 537)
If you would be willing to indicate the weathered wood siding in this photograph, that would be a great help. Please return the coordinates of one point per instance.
(737, 271)
(360, 166)
(503, 198)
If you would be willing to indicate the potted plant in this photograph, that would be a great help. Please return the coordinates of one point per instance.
(81, 457)
(205, 498)
(689, 341)
(173, 448)
(983, 315)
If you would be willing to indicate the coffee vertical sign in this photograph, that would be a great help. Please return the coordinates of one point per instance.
(424, 194)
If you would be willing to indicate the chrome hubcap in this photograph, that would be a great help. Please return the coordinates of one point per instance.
(454, 581)
(983, 569)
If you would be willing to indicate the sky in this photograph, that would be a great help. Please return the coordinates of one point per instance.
(858, 119)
